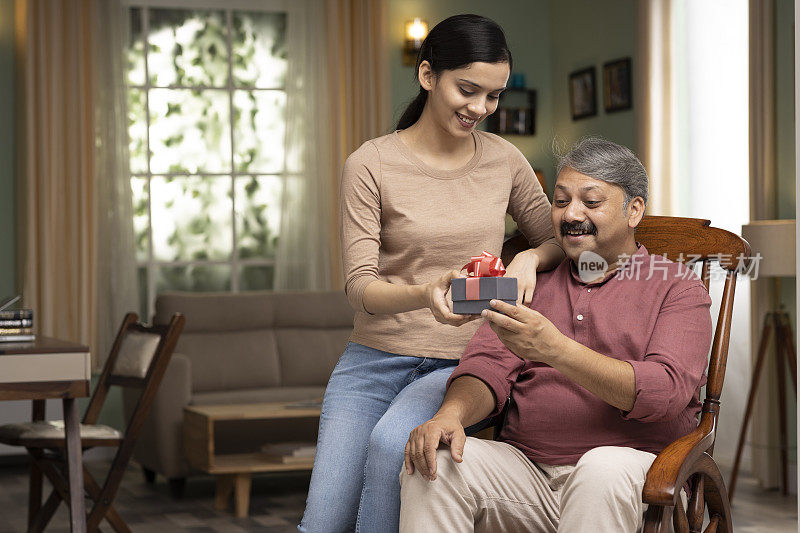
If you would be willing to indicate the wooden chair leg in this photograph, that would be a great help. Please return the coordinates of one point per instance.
(657, 519)
(34, 492)
(60, 490)
(96, 494)
(697, 504)
(46, 513)
(680, 521)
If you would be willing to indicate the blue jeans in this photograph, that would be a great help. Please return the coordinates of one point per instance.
(373, 401)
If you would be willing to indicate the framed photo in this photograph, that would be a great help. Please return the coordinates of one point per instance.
(583, 93)
(617, 94)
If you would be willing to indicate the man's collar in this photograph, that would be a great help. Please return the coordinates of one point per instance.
(638, 257)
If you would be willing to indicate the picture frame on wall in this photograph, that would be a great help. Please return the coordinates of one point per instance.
(617, 92)
(583, 93)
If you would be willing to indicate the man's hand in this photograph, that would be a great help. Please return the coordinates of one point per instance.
(527, 333)
(424, 441)
(523, 267)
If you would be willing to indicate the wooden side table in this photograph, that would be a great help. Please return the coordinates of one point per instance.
(51, 368)
(233, 471)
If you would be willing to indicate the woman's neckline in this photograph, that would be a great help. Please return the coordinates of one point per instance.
(438, 172)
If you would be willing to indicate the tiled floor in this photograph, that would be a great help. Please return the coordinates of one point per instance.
(277, 502)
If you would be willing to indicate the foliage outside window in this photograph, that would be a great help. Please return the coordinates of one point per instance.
(206, 106)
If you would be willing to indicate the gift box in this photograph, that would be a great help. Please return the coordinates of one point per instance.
(488, 288)
(484, 282)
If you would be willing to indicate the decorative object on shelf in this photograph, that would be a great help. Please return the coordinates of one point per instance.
(582, 93)
(773, 245)
(617, 93)
(416, 31)
(514, 118)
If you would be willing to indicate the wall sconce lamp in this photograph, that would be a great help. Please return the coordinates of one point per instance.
(416, 31)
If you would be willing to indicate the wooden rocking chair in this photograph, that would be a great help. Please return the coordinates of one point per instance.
(688, 459)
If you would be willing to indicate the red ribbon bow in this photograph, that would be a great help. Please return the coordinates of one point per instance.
(481, 266)
(484, 265)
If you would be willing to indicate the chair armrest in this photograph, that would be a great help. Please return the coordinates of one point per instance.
(674, 464)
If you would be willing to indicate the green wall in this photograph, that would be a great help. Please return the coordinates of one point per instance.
(7, 190)
(527, 27)
(589, 34)
(548, 39)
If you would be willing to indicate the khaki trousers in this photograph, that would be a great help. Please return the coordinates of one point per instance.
(497, 489)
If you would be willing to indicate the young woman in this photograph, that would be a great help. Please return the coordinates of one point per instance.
(415, 205)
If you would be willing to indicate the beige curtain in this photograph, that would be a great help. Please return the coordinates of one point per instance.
(359, 90)
(655, 113)
(61, 178)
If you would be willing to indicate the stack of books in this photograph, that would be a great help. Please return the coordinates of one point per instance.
(16, 325)
(290, 452)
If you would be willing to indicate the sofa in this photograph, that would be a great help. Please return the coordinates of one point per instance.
(241, 348)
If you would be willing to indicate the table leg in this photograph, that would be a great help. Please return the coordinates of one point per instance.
(224, 490)
(241, 495)
(77, 504)
(35, 489)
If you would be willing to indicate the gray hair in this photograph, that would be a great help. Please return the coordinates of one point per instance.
(609, 162)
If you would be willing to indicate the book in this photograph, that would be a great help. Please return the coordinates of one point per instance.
(290, 452)
(16, 314)
(16, 322)
(15, 331)
(305, 404)
(18, 338)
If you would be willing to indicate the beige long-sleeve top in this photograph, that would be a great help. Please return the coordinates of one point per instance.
(406, 223)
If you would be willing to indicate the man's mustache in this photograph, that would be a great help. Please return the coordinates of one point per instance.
(583, 227)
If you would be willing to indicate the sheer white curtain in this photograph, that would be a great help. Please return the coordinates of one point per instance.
(303, 258)
(116, 261)
(694, 71)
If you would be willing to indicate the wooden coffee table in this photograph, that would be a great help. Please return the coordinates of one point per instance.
(233, 471)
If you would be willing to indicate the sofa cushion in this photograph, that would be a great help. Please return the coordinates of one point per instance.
(225, 311)
(231, 359)
(308, 356)
(271, 394)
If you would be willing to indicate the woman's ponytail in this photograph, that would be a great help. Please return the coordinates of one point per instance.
(413, 111)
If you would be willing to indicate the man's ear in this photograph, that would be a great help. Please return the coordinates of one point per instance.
(635, 211)
(425, 75)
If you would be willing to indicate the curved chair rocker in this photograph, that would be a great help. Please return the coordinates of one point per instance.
(688, 461)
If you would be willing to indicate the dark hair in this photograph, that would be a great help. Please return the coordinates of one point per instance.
(454, 43)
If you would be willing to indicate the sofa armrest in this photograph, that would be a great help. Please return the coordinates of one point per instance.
(160, 445)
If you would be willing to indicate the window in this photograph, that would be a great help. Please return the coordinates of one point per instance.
(206, 106)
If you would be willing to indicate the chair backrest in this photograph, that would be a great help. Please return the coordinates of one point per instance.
(138, 358)
(691, 241)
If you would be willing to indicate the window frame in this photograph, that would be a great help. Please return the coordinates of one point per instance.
(228, 7)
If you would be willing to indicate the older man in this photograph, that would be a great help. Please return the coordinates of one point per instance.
(602, 371)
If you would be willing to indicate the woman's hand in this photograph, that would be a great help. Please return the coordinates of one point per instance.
(523, 267)
(436, 299)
